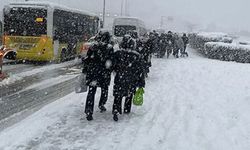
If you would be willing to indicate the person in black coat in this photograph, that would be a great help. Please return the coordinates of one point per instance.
(155, 42)
(162, 45)
(170, 43)
(144, 47)
(185, 41)
(129, 75)
(97, 67)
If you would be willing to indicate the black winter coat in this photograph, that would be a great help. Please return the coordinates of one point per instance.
(185, 39)
(129, 72)
(97, 64)
(145, 50)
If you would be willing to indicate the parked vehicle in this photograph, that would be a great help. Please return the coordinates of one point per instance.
(123, 25)
(87, 44)
(46, 32)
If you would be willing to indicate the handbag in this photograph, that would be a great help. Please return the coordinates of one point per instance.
(81, 85)
(138, 97)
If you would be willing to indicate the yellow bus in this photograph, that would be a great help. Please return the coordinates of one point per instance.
(46, 32)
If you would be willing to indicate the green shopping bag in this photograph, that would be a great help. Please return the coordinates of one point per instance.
(138, 97)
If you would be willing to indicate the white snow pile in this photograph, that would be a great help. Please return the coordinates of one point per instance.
(190, 104)
(229, 45)
(244, 42)
(216, 36)
(212, 35)
(228, 52)
(19, 76)
(10, 80)
(198, 40)
(50, 82)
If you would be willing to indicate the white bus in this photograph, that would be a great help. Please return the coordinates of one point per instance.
(123, 25)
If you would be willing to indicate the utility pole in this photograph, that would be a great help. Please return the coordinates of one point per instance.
(126, 8)
(104, 12)
(122, 1)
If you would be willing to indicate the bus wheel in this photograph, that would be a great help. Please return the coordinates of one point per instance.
(11, 55)
(63, 55)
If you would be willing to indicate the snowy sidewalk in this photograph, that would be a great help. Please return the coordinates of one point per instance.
(190, 104)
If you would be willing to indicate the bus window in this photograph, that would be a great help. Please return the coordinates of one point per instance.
(25, 21)
(68, 24)
(121, 30)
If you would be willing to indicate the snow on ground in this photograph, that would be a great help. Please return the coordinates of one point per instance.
(242, 39)
(214, 35)
(190, 103)
(11, 79)
(48, 68)
(50, 82)
(19, 76)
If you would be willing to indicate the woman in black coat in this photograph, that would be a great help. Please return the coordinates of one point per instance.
(129, 75)
(97, 66)
(144, 48)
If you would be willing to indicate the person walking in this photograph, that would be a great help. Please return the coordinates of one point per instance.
(162, 45)
(144, 47)
(170, 43)
(97, 67)
(129, 75)
(185, 41)
(176, 45)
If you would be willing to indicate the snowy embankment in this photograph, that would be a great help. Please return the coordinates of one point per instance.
(198, 40)
(228, 52)
(192, 104)
(33, 71)
(221, 46)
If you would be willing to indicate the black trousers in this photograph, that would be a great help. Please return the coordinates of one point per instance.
(185, 47)
(89, 106)
(117, 106)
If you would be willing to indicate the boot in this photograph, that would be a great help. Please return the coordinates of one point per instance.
(89, 117)
(126, 111)
(115, 117)
(102, 108)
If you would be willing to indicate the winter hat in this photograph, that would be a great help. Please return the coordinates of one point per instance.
(106, 37)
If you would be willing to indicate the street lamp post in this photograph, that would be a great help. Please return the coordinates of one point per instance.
(126, 8)
(122, 7)
(104, 12)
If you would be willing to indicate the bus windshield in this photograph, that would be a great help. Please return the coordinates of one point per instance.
(25, 21)
(121, 30)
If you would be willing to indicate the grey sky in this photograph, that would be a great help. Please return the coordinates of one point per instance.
(228, 14)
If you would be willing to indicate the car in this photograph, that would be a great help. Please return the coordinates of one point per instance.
(85, 46)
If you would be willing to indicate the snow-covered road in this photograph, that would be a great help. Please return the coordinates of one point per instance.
(190, 104)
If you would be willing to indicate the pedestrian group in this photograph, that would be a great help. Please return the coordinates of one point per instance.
(130, 65)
